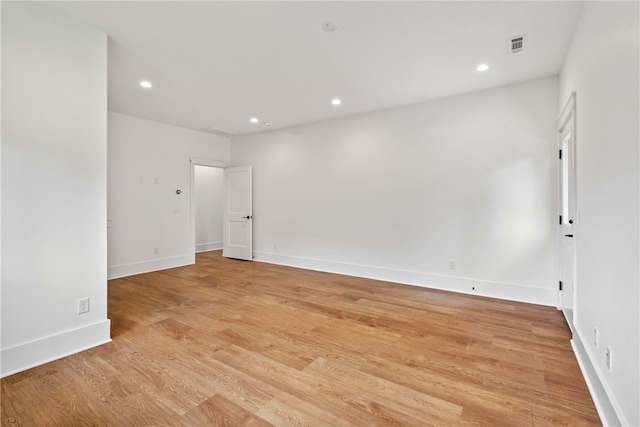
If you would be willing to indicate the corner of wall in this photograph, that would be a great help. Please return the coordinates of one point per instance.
(54, 211)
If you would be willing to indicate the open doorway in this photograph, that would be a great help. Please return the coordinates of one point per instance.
(208, 194)
(207, 205)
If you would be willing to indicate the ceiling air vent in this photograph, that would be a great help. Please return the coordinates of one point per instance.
(218, 131)
(516, 44)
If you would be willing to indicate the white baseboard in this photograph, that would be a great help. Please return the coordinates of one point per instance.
(38, 352)
(607, 408)
(508, 291)
(124, 270)
(206, 247)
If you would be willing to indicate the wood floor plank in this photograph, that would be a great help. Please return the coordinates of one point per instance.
(288, 410)
(218, 411)
(227, 342)
(421, 406)
(352, 406)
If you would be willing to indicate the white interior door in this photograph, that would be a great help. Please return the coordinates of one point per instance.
(238, 216)
(568, 213)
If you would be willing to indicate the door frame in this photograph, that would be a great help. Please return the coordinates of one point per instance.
(568, 118)
(193, 162)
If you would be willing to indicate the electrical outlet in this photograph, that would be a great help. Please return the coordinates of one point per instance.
(595, 337)
(275, 246)
(156, 251)
(609, 356)
(452, 264)
(83, 305)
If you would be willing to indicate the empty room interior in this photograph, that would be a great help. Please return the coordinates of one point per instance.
(320, 213)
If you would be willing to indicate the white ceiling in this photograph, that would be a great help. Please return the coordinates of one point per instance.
(216, 64)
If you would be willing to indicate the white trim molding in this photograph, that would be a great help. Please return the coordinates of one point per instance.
(198, 161)
(43, 350)
(124, 270)
(206, 247)
(507, 291)
(608, 409)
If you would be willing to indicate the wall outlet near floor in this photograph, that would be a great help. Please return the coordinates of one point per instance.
(595, 337)
(275, 246)
(83, 305)
(156, 251)
(452, 264)
(608, 355)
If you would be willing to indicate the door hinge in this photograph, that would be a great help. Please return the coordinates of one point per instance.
(560, 219)
(560, 154)
(560, 285)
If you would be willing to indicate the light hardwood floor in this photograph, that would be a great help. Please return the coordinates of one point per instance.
(235, 343)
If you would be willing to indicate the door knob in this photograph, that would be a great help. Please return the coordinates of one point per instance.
(568, 235)
(247, 217)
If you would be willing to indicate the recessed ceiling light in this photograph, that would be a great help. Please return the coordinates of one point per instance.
(145, 84)
(268, 123)
(482, 67)
(336, 101)
(253, 120)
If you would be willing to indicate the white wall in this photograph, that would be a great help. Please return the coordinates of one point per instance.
(54, 196)
(148, 162)
(209, 186)
(603, 68)
(396, 194)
